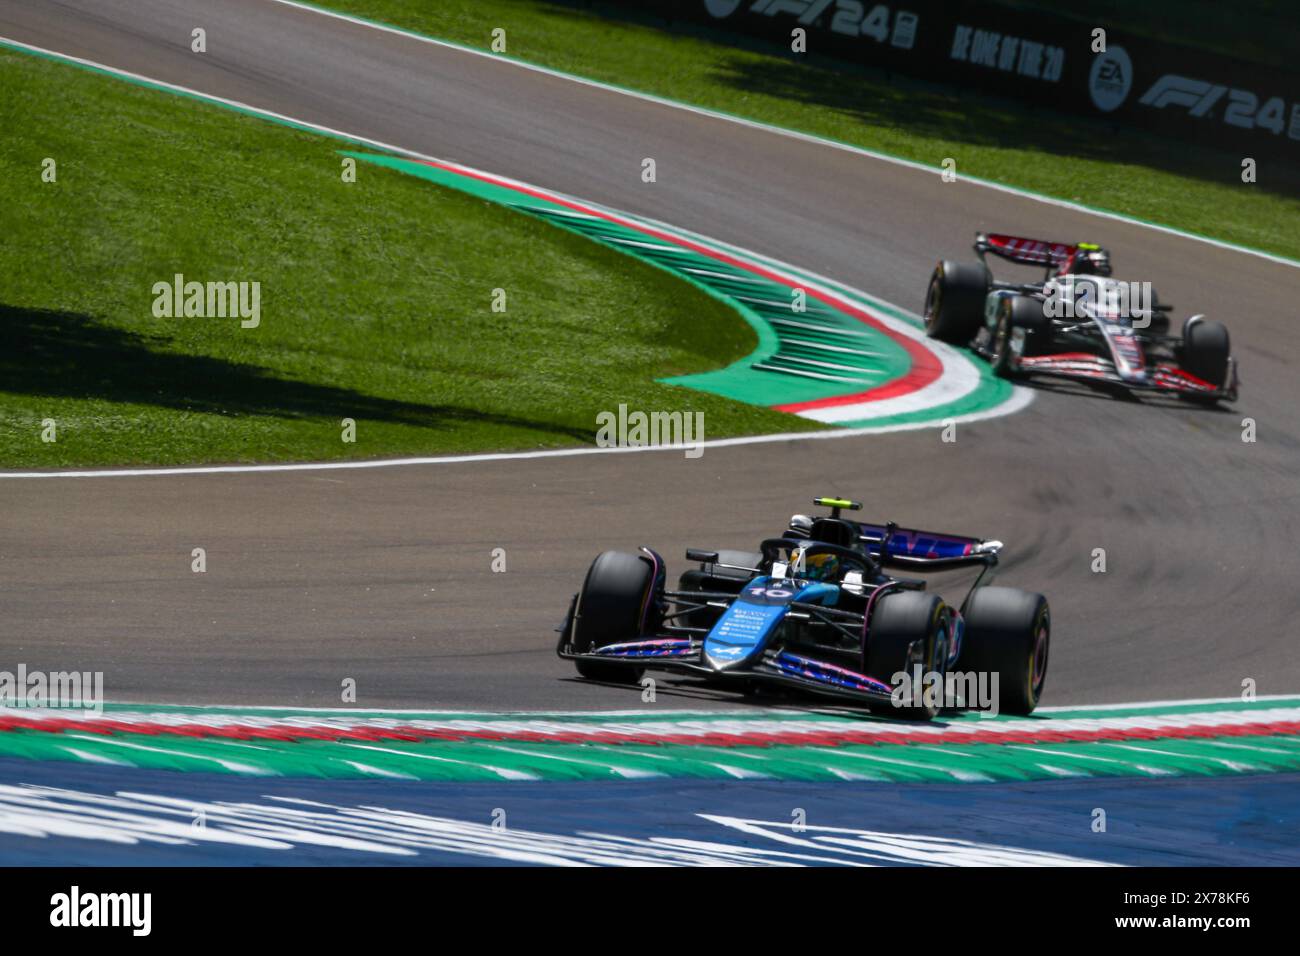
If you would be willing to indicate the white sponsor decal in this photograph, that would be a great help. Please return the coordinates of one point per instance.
(1008, 54)
(1241, 108)
(905, 30)
(1110, 79)
(721, 8)
(847, 17)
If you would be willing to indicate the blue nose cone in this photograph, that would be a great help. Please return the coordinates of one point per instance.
(744, 628)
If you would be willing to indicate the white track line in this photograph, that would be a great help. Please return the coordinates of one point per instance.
(789, 133)
(1019, 399)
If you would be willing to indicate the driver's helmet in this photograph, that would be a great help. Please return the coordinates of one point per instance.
(821, 567)
(1091, 260)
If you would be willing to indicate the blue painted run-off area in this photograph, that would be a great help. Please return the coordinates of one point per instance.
(191, 818)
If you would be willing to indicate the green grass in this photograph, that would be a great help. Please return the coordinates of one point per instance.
(1123, 170)
(375, 304)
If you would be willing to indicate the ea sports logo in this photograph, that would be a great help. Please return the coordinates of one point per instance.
(1110, 79)
(721, 8)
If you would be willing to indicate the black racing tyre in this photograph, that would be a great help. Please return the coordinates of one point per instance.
(900, 620)
(1019, 312)
(954, 301)
(1027, 313)
(609, 612)
(1206, 349)
(1008, 632)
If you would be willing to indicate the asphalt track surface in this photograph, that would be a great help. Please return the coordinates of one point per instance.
(384, 575)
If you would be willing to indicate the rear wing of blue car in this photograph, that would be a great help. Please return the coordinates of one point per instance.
(911, 547)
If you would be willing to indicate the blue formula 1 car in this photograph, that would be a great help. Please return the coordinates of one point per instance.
(814, 609)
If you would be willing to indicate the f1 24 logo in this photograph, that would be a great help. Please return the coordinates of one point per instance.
(849, 17)
(1241, 108)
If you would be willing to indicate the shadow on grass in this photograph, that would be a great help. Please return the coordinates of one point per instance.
(68, 355)
(878, 98)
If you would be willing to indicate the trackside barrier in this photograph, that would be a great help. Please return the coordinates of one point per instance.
(1044, 59)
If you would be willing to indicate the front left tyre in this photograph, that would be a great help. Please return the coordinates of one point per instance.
(954, 301)
(610, 609)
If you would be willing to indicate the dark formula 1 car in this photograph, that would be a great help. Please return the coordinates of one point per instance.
(814, 609)
(1076, 323)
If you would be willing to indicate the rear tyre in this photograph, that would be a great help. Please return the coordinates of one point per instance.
(954, 302)
(908, 629)
(1008, 633)
(1205, 350)
(609, 612)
